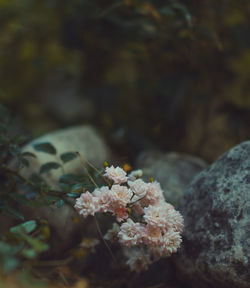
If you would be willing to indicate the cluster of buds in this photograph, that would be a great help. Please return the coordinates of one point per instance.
(147, 225)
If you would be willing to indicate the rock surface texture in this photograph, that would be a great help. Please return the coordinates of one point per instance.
(216, 209)
(173, 170)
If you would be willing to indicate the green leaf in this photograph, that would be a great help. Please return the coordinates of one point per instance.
(28, 154)
(65, 187)
(66, 157)
(49, 166)
(35, 243)
(12, 212)
(77, 187)
(69, 179)
(10, 264)
(51, 199)
(5, 248)
(26, 227)
(29, 253)
(45, 147)
(59, 203)
(73, 195)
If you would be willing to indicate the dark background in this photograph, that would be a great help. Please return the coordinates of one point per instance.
(172, 75)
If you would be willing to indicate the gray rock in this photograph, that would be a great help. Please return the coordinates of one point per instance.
(91, 146)
(216, 210)
(173, 170)
(82, 139)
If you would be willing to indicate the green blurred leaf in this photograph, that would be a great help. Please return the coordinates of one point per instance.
(29, 253)
(65, 187)
(26, 227)
(70, 179)
(45, 147)
(28, 154)
(49, 166)
(36, 244)
(77, 187)
(59, 203)
(66, 157)
(73, 195)
(10, 264)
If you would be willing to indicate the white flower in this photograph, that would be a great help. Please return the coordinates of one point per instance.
(131, 233)
(139, 187)
(118, 175)
(86, 204)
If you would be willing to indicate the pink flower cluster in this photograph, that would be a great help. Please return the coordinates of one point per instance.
(146, 220)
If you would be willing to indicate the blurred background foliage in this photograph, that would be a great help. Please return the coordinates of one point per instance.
(167, 74)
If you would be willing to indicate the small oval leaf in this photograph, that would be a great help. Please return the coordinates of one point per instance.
(59, 203)
(28, 154)
(66, 157)
(45, 147)
(26, 227)
(49, 166)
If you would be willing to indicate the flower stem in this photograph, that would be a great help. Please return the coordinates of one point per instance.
(105, 242)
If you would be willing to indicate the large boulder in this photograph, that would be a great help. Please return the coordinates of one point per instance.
(91, 147)
(216, 210)
(173, 170)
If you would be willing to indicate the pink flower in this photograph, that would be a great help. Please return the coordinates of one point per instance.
(154, 194)
(118, 175)
(104, 198)
(121, 194)
(120, 212)
(131, 233)
(171, 242)
(139, 187)
(153, 236)
(87, 204)
(157, 215)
